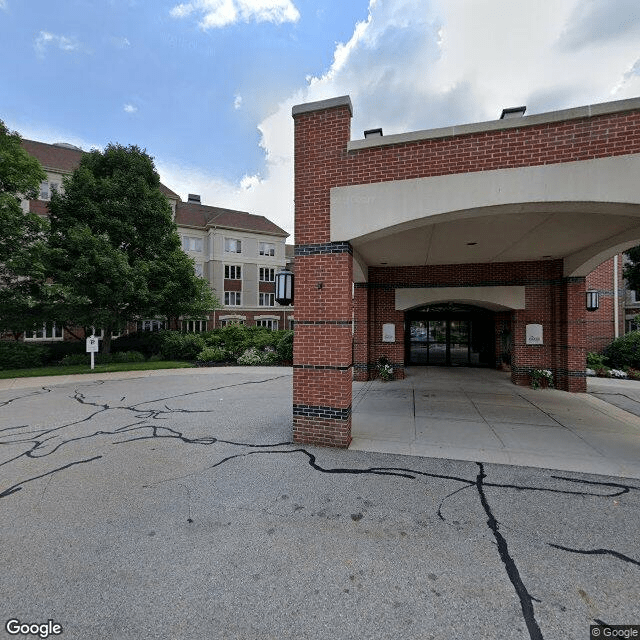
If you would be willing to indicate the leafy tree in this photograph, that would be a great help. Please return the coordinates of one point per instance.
(21, 237)
(114, 247)
(631, 270)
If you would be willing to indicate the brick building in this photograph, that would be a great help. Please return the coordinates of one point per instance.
(467, 245)
(237, 252)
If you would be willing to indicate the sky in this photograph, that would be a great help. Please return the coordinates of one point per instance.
(207, 86)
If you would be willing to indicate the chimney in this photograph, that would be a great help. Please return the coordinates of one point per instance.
(194, 198)
(370, 133)
(512, 112)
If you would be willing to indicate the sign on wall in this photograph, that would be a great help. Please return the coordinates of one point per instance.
(388, 332)
(534, 334)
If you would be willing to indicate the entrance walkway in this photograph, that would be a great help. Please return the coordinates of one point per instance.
(479, 415)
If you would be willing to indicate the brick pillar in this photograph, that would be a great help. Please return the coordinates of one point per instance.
(323, 340)
(361, 333)
(571, 352)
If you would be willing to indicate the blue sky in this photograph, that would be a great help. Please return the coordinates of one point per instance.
(207, 86)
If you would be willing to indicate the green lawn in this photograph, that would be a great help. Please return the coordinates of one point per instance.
(59, 370)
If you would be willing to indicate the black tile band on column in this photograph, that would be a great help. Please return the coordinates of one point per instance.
(311, 411)
(322, 248)
(320, 367)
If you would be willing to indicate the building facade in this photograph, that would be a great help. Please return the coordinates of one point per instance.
(468, 245)
(237, 252)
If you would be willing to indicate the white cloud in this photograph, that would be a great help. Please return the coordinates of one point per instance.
(46, 39)
(130, 108)
(120, 42)
(419, 64)
(237, 101)
(3, 4)
(220, 13)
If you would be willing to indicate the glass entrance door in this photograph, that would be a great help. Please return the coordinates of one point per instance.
(455, 338)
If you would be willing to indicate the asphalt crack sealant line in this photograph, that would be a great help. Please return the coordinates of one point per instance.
(43, 443)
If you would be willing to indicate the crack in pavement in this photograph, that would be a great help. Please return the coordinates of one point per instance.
(46, 442)
(597, 552)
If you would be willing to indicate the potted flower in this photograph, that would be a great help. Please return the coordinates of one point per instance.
(385, 370)
(541, 378)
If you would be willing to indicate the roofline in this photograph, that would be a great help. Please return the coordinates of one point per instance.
(282, 234)
(589, 111)
(331, 103)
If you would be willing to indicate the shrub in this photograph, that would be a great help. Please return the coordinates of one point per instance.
(77, 359)
(624, 351)
(146, 342)
(181, 346)
(102, 358)
(595, 360)
(58, 350)
(21, 355)
(235, 339)
(127, 356)
(212, 354)
(253, 356)
(285, 346)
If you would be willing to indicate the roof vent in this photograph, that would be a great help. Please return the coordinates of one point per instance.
(513, 112)
(372, 133)
(66, 145)
(194, 198)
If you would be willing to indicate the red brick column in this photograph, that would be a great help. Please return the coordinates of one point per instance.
(361, 333)
(322, 349)
(571, 345)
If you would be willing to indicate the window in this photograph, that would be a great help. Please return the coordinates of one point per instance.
(232, 298)
(116, 333)
(266, 249)
(232, 272)
(194, 326)
(46, 332)
(151, 325)
(227, 322)
(232, 245)
(198, 268)
(268, 324)
(267, 275)
(191, 243)
(266, 299)
(46, 189)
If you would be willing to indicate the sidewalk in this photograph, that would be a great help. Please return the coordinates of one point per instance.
(479, 415)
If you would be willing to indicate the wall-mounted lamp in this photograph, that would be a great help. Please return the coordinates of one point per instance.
(284, 287)
(593, 301)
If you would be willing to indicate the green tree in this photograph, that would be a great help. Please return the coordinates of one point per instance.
(21, 237)
(631, 269)
(114, 247)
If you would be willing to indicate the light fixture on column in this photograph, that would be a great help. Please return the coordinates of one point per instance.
(284, 287)
(592, 300)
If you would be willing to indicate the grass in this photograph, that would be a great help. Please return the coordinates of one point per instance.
(59, 370)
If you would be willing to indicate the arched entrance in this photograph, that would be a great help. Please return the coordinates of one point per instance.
(455, 335)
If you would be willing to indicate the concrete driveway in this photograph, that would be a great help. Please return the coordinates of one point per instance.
(479, 415)
(174, 507)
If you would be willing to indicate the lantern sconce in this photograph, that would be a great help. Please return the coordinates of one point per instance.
(592, 300)
(284, 287)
